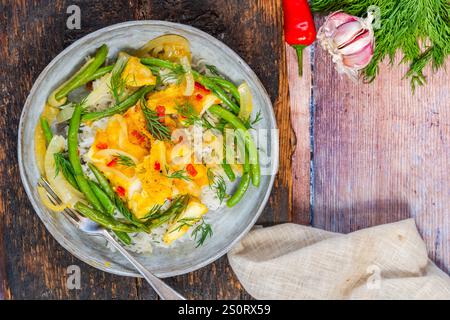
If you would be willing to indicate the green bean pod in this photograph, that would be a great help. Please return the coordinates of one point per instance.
(102, 180)
(103, 198)
(228, 171)
(105, 221)
(246, 137)
(99, 73)
(48, 134)
(109, 207)
(229, 86)
(240, 191)
(80, 78)
(72, 144)
(120, 107)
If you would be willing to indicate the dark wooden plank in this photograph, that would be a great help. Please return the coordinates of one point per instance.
(32, 264)
(381, 153)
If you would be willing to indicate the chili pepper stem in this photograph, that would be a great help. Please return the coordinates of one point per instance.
(299, 48)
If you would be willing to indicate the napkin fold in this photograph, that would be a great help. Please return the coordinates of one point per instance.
(290, 261)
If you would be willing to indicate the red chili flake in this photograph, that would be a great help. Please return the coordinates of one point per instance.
(160, 109)
(198, 96)
(191, 170)
(101, 145)
(157, 166)
(201, 87)
(140, 137)
(120, 191)
(112, 163)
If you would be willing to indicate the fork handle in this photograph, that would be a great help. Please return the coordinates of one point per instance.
(163, 290)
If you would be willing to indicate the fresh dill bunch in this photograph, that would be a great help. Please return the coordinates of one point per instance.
(158, 130)
(124, 160)
(420, 29)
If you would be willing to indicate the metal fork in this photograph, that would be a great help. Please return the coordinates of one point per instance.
(93, 229)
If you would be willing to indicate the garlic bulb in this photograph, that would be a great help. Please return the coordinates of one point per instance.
(350, 41)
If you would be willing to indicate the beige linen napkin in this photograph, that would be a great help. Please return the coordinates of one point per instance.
(291, 261)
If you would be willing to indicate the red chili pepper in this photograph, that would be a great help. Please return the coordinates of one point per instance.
(157, 166)
(198, 96)
(201, 87)
(101, 146)
(191, 170)
(299, 29)
(112, 163)
(120, 191)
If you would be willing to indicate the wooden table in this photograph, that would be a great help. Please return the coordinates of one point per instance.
(352, 155)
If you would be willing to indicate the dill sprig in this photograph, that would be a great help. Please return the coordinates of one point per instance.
(201, 232)
(158, 130)
(124, 160)
(156, 217)
(213, 70)
(217, 183)
(178, 174)
(251, 123)
(420, 29)
(62, 164)
(189, 114)
(117, 84)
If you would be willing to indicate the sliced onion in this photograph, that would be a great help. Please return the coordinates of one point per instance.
(65, 114)
(68, 194)
(246, 101)
(188, 77)
(208, 101)
(47, 203)
(169, 47)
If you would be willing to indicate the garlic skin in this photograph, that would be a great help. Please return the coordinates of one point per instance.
(349, 40)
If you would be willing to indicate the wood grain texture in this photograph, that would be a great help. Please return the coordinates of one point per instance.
(32, 264)
(381, 153)
(300, 100)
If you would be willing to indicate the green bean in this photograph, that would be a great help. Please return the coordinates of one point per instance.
(80, 77)
(240, 191)
(118, 203)
(48, 134)
(218, 92)
(109, 207)
(72, 143)
(120, 107)
(97, 74)
(102, 180)
(229, 86)
(228, 171)
(104, 220)
(245, 136)
(205, 81)
(103, 198)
